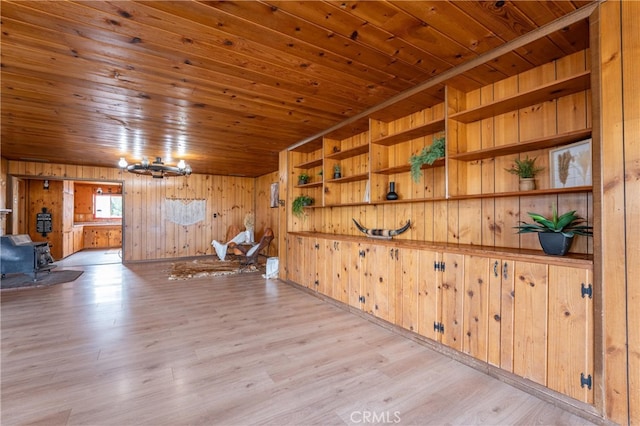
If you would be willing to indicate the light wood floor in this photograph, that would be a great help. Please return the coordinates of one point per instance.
(123, 345)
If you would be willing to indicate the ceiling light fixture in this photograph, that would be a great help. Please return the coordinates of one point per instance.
(157, 169)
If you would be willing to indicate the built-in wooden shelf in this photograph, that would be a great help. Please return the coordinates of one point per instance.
(359, 203)
(530, 145)
(352, 178)
(348, 153)
(409, 134)
(310, 164)
(546, 92)
(310, 185)
(409, 200)
(407, 167)
(551, 191)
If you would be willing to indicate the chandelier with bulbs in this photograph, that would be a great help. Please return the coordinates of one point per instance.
(156, 169)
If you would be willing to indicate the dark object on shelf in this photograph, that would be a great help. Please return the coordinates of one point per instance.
(337, 172)
(386, 234)
(555, 243)
(392, 195)
(303, 179)
(21, 255)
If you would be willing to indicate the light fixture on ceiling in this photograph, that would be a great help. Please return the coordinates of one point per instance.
(157, 169)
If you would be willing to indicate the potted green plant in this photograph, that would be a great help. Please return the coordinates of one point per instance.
(526, 170)
(297, 207)
(337, 174)
(556, 234)
(303, 178)
(428, 155)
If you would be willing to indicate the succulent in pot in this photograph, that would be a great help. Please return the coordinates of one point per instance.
(337, 174)
(303, 178)
(556, 233)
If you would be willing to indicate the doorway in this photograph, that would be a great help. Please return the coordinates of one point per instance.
(85, 216)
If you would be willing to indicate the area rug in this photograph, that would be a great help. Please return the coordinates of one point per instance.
(208, 268)
(44, 279)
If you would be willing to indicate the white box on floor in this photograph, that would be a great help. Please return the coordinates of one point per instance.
(272, 267)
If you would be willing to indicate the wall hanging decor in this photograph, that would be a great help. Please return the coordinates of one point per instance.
(570, 165)
(385, 234)
(185, 211)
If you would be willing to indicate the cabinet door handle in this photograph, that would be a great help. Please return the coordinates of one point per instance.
(505, 270)
(495, 269)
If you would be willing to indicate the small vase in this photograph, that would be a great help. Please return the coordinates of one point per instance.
(527, 184)
(392, 195)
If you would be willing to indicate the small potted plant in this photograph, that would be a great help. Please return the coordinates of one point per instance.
(526, 170)
(337, 174)
(556, 234)
(428, 155)
(297, 207)
(303, 178)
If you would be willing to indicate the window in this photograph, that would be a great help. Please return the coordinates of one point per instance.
(108, 207)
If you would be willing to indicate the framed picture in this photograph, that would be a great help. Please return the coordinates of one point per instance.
(274, 195)
(570, 165)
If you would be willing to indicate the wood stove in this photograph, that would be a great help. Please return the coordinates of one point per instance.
(18, 254)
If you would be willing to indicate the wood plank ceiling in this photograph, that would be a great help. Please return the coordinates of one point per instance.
(227, 85)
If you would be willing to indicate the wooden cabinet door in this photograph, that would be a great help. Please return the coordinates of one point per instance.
(115, 237)
(383, 263)
(310, 248)
(501, 305)
(429, 294)
(295, 259)
(341, 271)
(331, 267)
(367, 255)
(78, 239)
(407, 302)
(488, 310)
(530, 321)
(361, 277)
(356, 276)
(476, 306)
(324, 256)
(452, 300)
(570, 339)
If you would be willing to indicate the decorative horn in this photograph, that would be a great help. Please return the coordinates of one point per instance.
(382, 233)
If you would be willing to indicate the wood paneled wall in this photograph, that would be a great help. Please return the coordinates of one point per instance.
(620, 209)
(148, 235)
(267, 217)
(3, 194)
(53, 199)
